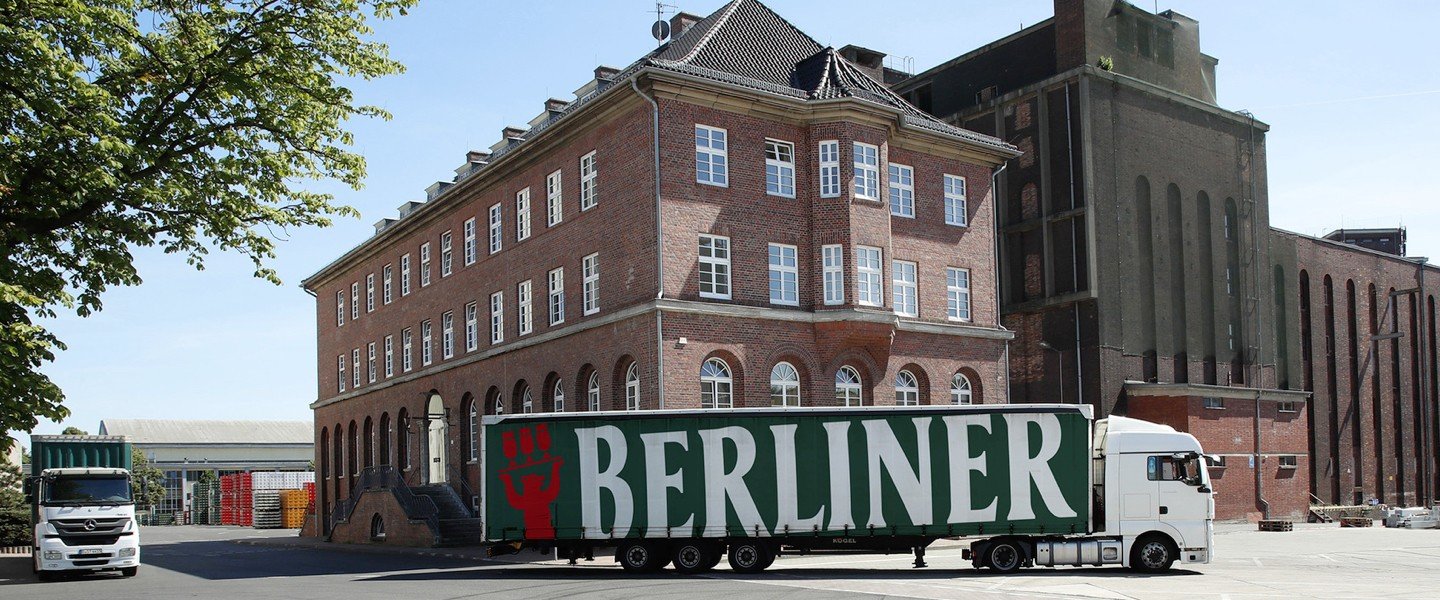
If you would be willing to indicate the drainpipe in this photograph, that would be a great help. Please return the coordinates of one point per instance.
(995, 265)
(659, 246)
(1074, 256)
(1259, 464)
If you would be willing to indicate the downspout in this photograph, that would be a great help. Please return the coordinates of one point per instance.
(1074, 256)
(659, 246)
(995, 266)
(1259, 464)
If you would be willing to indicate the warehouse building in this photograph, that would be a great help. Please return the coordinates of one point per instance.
(185, 449)
(741, 218)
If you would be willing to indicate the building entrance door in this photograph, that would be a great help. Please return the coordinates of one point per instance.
(436, 438)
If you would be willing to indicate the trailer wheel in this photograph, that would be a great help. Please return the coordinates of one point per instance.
(1152, 553)
(695, 556)
(749, 556)
(1005, 556)
(641, 557)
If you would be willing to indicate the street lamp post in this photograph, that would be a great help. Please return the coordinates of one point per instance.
(1060, 367)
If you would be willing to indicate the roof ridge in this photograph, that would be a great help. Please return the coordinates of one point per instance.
(710, 33)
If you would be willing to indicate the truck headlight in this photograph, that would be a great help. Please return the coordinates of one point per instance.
(124, 552)
(52, 555)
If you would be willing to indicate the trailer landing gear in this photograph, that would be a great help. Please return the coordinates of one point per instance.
(920, 557)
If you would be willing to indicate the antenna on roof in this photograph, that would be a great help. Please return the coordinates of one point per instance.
(661, 29)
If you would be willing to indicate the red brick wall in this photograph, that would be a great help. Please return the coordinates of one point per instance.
(399, 529)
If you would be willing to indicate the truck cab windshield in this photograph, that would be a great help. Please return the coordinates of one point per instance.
(1185, 469)
(87, 490)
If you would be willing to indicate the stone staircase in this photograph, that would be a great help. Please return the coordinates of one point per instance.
(458, 526)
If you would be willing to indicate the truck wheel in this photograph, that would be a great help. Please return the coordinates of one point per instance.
(641, 557)
(1005, 556)
(749, 556)
(1152, 554)
(129, 571)
(691, 557)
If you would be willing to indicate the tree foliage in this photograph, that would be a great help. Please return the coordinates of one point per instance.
(147, 483)
(72, 430)
(187, 125)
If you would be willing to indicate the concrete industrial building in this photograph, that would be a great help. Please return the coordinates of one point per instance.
(743, 217)
(184, 449)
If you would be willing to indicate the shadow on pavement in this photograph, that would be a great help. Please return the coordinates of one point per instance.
(221, 560)
(498, 572)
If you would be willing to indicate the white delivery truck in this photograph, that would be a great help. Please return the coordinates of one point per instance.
(81, 505)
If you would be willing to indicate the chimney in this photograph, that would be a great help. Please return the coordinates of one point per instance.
(509, 136)
(553, 108)
(474, 160)
(603, 75)
(869, 61)
(606, 74)
(682, 22)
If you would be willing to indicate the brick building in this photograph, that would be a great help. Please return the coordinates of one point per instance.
(743, 217)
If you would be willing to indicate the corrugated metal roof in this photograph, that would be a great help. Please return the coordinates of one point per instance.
(181, 431)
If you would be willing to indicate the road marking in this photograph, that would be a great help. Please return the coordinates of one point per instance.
(1258, 563)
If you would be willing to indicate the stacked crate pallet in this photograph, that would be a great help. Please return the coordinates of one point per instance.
(293, 505)
(245, 513)
(266, 507)
(227, 500)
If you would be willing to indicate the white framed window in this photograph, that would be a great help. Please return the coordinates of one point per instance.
(716, 385)
(424, 264)
(371, 373)
(522, 214)
(956, 209)
(339, 309)
(355, 368)
(557, 296)
(867, 171)
(784, 385)
(474, 431)
(447, 335)
(960, 389)
(848, 387)
(472, 327)
(714, 267)
(370, 293)
(1286, 406)
(554, 199)
(387, 286)
(527, 402)
(496, 227)
(426, 349)
(447, 261)
(588, 175)
(905, 287)
(590, 283)
(869, 286)
(471, 252)
(405, 275)
(497, 317)
(712, 163)
(523, 301)
(632, 387)
(389, 356)
(1216, 403)
(499, 406)
(355, 301)
(557, 396)
(1289, 461)
(784, 275)
(592, 392)
(340, 372)
(907, 389)
(833, 273)
(829, 169)
(780, 168)
(957, 294)
(902, 190)
(406, 345)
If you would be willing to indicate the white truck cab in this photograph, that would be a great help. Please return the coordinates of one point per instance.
(84, 521)
(1153, 491)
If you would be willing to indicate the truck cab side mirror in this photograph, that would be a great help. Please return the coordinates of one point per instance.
(28, 485)
(1204, 489)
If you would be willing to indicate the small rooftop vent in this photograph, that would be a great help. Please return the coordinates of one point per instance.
(409, 207)
(509, 137)
(474, 161)
(436, 189)
(384, 224)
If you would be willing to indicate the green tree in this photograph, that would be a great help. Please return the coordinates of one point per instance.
(74, 431)
(187, 125)
(14, 513)
(147, 483)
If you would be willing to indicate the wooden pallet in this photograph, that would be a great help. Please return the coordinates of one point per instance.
(1356, 522)
(1276, 525)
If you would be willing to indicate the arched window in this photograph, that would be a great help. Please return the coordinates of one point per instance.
(385, 439)
(559, 396)
(499, 405)
(960, 389)
(352, 448)
(339, 451)
(784, 385)
(592, 392)
(368, 441)
(527, 404)
(716, 385)
(847, 387)
(474, 431)
(632, 387)
(907, 390)
(402, 447)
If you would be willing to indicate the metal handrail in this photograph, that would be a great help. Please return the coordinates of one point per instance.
(383, 477)
(457, 475)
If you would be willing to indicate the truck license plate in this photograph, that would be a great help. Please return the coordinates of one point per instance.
(91, 551)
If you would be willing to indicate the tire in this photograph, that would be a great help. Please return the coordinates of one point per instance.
(695, 556)
(129, 571)
(640, 557)
(770, 556)
(715, 557)
(1005, 556)
(1152, 554)
(749, 556)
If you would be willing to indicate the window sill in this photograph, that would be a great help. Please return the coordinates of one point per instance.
(775, 195)
(902, 216)
(590, 312)
(713, 296)
(712, 184)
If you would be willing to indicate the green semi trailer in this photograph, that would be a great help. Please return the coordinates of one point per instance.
(1033, 484)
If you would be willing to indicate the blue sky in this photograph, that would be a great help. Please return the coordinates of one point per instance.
(1350, 91)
